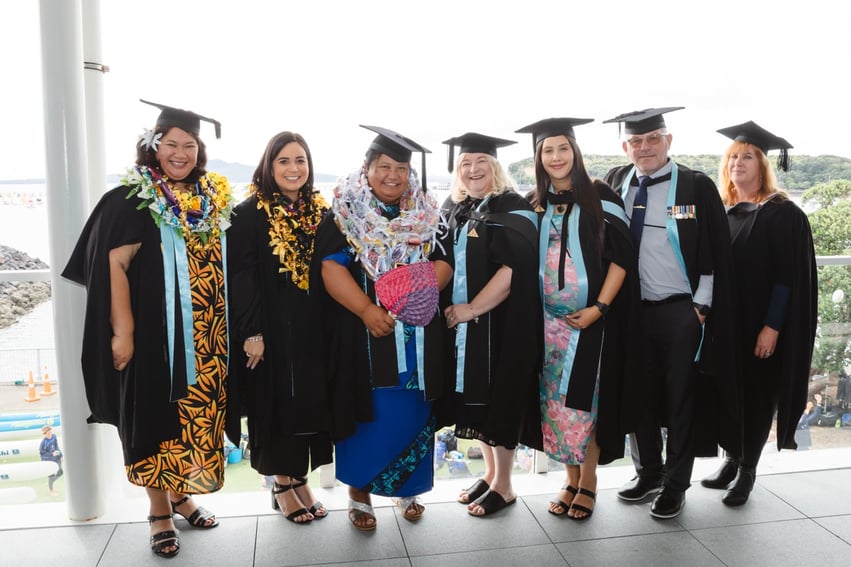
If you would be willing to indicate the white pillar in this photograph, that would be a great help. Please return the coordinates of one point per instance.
(94, 78)
(67, 209)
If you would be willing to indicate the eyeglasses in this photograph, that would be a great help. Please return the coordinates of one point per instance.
(652, 140)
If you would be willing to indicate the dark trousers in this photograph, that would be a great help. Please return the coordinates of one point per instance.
(760, 390)
(672, 335)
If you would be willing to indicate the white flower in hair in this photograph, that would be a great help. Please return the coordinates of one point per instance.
(149, 140)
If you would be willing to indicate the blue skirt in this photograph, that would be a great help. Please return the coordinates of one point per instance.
(393, 455)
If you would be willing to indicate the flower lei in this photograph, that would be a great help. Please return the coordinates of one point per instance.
(292, 226)
(198, 217)
(380, 244)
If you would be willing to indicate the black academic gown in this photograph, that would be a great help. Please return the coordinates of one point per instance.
(140, 400)
(776, 249)
(606, 343)
(356, 361)
(286, 394)
(504, 349)
(705, 246)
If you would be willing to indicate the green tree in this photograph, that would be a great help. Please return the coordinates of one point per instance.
(832, 237)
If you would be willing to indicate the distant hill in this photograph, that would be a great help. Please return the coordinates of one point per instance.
(806, 171)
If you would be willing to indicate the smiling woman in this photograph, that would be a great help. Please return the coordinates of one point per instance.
(171, 265)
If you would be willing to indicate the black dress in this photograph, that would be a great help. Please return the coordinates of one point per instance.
(496, 401)
(773, 248)
(285, 396)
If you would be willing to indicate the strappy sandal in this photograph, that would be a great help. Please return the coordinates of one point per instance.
(164, 539)
(588, 511)
(408, 506)
(477, 489)
(280, 489)
(198, 518)
(317, 508)
(561, 507)
(357, 510)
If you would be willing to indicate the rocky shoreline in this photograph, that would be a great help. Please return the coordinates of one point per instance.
(19, 298)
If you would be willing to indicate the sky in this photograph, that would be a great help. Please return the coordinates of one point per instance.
(433, 70)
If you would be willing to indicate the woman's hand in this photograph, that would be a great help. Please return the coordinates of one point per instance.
(584, 318)
(254, 352)
(460, 313)
(766, 342)
(377, 320)
(122, 351)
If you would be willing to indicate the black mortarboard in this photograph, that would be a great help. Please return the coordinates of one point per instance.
(550, 127)
(184, 119)
(641, 121)
(396, 146)
(752, 133)
(473, 143)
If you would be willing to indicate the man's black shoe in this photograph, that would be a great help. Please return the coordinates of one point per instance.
(668, 504)
(740, 490)
(723, 476)
(639, 488)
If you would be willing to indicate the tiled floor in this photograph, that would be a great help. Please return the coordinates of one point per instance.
(794, 517)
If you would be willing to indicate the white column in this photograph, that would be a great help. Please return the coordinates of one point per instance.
(95, 69)
(67, 209)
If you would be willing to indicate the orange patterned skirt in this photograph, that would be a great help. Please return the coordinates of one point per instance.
(194, 463)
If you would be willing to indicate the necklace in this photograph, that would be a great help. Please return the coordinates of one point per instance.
(199, 216)
(292, 227)
(380, 244)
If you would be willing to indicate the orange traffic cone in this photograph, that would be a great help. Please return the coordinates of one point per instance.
(46, 390)
(32, 395)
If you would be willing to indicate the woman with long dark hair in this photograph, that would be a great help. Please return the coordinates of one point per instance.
(585, 256)
(275, 325)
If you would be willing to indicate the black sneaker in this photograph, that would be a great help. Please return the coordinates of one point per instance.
(639, 488)
(668, 504)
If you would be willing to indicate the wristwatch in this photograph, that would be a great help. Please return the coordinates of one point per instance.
(603, 307)
(702, 309)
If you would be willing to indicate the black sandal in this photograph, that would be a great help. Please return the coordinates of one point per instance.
(163, 539)
(491, 502)
(316, 506)
(560, 504)
(477, 489)
(198, 518)
(280, 489)
(588, 511)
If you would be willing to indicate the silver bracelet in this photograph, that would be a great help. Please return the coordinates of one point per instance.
(254, 339)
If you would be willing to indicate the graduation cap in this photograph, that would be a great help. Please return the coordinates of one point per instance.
(396, 146)
(184, 119)
(752, 133)
(550, 127)
(474, 143)
(641, 121)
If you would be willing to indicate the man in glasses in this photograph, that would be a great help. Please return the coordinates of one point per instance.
(680, 232)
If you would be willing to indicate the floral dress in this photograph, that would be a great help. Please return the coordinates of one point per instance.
(566, 431)
(194, 463)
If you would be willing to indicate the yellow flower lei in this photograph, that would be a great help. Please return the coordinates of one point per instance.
(292, 226)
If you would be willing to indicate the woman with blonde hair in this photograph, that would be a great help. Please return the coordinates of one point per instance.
(493, 307)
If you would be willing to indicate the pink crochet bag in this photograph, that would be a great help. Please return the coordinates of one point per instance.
(409, 292)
